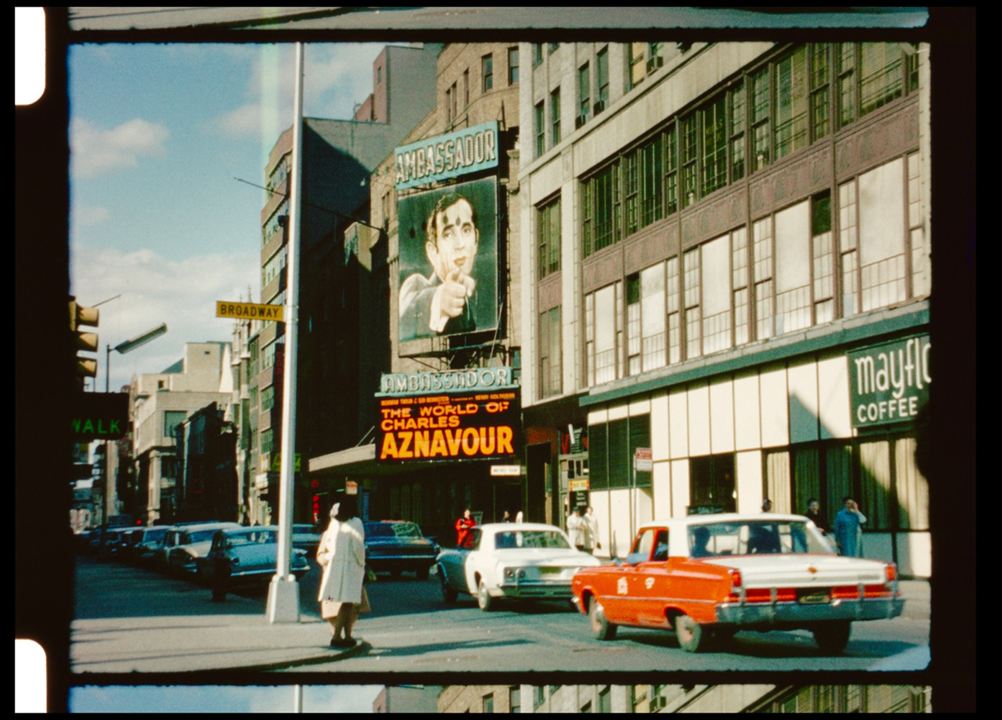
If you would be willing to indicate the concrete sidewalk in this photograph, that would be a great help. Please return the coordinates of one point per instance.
(245, 640)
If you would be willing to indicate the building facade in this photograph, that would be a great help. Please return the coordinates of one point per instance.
(726, 252)
(159, 402)
(338, 159)
(476, 101)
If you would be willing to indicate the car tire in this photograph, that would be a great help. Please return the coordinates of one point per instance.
(832, 637)
(691, 635)
(484, 599)
(448, 593)
(601, 628)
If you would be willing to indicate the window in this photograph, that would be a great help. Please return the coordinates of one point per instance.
(739, 281)
(548, 232)
(549, 353)
(466, 87)
(652, 180)
(652, 316)
(487, 72)
(846, 54)
(882, 236)
(689, 159)
(736, 99)
(762, 257)
(671, 170)
(274, 266)
(512, 65)
(601, 209)
(276, 223)
(711, 482)
(631, 190)
(537, 54)
(791, 102)
(822, 250)
(514, 699)
(690, 265)
(714, 125)
(602, 79)
(633, 324)
(916, 229)
(551, 48)
(540, 129)
(605, 700)
(173, 419)
(716, 294)
(267, 398)
(636, 68)
(604, 333)
(881, 77)
(538, 696)
(555, 117)
(819, 90)
(611, 448)
(674, 322)
(792, 269)
(847, 247)
(488, 703)
(584, 95)
(759, 82)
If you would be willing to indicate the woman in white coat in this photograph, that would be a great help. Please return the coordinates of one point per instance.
(341, 553)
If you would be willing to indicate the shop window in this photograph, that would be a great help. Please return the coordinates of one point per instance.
(776, 480)
(911, 487)
(711, 482)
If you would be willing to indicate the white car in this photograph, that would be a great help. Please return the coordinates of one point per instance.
(512, 560)
(194, 542)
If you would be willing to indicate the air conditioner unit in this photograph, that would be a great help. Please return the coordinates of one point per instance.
(580, 120)
(654, 63)
(599, 107)
(658, 703)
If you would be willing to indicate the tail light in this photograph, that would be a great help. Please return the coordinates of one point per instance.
(735, 578)
(891, 572)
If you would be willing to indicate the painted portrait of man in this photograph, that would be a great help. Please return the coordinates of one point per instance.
(449, 286)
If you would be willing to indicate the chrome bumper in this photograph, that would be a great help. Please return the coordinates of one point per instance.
(536, 589)
(794, 613)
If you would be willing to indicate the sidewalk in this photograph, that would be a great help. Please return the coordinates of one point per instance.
(244, 639)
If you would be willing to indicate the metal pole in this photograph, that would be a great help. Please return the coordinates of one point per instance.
(283, 594)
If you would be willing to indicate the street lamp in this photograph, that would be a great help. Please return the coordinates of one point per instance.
(129, 346)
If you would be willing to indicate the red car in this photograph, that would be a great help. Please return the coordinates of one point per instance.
(709, 576)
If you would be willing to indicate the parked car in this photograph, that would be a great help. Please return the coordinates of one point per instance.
(245, 556)
(512, 560)
(110, 542)
(171, 540)
(399, 545)
(193, 542)
(143, 543)
(710, 576)
(306, 538)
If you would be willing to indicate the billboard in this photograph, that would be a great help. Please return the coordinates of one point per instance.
(448, 261)
(475, 421)
(889, 383)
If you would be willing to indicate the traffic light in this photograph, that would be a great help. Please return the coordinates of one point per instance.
(85, 367)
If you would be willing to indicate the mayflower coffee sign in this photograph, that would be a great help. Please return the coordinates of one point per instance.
(889, 383)
(478, 422)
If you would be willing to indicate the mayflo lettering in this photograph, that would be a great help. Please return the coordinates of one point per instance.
(447, 156)
(890, 382)
(456, 380)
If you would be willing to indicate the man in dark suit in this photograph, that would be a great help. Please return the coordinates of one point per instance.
(440, 304)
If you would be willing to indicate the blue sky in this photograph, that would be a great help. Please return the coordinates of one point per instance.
(159, 135)
(208, 699)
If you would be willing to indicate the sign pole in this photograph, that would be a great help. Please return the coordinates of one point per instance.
(283, 593)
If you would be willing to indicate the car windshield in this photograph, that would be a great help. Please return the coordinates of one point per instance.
(775, 537)
(399, 529)
(529, 539)
(154, 535)
(252, 537)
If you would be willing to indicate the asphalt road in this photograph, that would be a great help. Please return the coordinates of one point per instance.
(411, 628)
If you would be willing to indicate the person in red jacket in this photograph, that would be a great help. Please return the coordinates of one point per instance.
(463, 527)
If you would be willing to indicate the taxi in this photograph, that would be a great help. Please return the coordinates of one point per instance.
(709, 576)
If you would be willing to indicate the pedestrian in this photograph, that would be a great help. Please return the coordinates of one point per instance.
(506, 518)
(767, 505)
(814, 515)
(849, 528)
(576, 529)
(591, 530)
(518, 516)
(464, 525)
(341, 553)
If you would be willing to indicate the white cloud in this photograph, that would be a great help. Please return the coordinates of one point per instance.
(153, 289)
(95, 151)
(87, 216)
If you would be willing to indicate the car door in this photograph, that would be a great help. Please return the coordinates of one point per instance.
(621, 594)
(652, 581)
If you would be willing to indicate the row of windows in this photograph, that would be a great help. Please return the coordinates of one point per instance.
(585, 109)
(766, 114)
(788, 273)
(276, 223)
(486, 82)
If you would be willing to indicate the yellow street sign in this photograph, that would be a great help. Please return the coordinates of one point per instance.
(249, 311)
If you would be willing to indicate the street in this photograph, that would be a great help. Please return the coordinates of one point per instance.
(131, 618)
